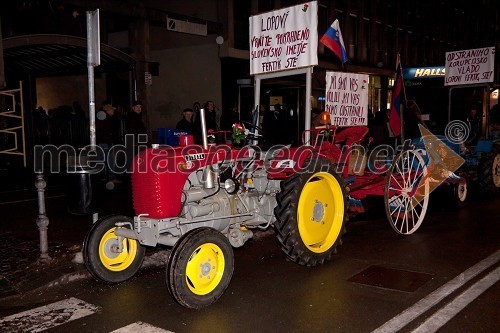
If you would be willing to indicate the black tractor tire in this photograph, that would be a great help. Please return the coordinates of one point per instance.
(488, 172)
(293, 232)
(100, 257)
(199, 268)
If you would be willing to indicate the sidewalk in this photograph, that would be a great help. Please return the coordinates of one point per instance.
(20, 267)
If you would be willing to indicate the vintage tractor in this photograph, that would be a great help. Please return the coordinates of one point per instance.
(481, 168)
(480, 151)
(202, 201)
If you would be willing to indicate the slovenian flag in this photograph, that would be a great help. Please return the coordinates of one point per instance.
(334, 41)
(397, 90)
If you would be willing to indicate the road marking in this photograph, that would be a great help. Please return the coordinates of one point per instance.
(141, 327)
(437, 320)
(48, 316)
(408, 315)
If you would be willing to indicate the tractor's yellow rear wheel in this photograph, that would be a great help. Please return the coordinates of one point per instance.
(103, 256)
(311, 214)
(200, 267)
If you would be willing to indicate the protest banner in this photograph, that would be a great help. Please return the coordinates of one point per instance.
(284, 39)
(469, 66)
(346, 98)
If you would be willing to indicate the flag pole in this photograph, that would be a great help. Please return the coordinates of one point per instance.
(399, 68)
(402, 78)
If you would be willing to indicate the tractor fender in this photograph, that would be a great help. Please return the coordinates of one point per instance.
(289, 161)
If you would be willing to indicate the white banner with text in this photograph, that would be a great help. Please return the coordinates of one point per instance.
(469, 66)
(346, 98)
(284, 39)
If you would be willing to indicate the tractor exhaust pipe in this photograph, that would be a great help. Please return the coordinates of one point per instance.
(208, 174)
(203, 120)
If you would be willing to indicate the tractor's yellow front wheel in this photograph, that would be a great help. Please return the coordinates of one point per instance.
(105, 258)
(200, 268)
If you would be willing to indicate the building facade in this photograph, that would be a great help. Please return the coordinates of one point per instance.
(187, 52)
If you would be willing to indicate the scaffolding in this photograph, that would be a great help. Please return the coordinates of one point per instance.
(12, 139)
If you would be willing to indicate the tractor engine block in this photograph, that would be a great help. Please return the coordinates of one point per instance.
(232, 214)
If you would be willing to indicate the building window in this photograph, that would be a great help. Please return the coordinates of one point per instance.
(374, 95)
(266, 5)
(287, 3)
(241, 13)
(353, 33)
(323, 25)
(367, 40)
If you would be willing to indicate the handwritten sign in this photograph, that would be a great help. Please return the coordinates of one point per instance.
(346, 98)
(284, 39)
(469, 66)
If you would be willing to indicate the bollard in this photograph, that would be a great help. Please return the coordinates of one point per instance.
(42, 220)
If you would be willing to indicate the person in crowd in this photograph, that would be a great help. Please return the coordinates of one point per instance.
(474, 123)
(106, 136)
(262, 113)
(77, 110)
(275, 126)
(316, 117)
(41, 127)
(187, 121)
(133, 122)
(495, 122)
(134, 126)
(211, 116)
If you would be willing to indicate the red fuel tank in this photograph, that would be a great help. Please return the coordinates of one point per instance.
(158, 178)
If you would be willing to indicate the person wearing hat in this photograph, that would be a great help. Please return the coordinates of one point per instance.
(211, 116)
(134, 126)
(106, 125)
(133, 122)
(187, 122)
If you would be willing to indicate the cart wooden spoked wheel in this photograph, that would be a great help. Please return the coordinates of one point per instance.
(406, 192)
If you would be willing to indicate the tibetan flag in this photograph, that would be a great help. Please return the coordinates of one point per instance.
(397, 91)
(334, 41)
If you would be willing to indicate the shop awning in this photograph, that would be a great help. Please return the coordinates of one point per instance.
(57, 55)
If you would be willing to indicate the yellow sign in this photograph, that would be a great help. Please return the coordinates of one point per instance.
(273, 100)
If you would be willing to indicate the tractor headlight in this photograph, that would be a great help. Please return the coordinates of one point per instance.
(231, 186)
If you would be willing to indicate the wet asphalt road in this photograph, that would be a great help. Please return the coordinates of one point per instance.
(270, 294)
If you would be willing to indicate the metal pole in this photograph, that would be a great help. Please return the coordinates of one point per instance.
(402, 112)
(256, 93)
(22, 122)
(42, 220)
(203, 120)
(449, 103)
(257, 107)
(93, 59)
(298, 115)
(307, 111)
(486, 112)
(239, 102)
(90, 70)
(208, 175)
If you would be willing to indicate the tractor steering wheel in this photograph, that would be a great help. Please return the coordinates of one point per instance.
(258, 128)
